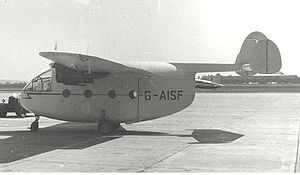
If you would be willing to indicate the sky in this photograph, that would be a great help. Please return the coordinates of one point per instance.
(200, 31)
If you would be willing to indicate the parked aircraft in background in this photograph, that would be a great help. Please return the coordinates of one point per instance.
(84, 88)
(205, 84)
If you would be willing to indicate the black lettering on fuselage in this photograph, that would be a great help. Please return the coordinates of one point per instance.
(164, 95)
(179, 94)
(173, 95)
(147, 95)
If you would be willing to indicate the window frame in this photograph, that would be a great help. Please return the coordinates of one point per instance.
(41, 79)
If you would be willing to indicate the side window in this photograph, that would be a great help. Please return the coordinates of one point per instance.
(46, 84)
(37, 84)
(46, 81)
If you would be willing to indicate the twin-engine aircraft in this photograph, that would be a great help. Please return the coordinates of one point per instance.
(84, 88)
(206, 84)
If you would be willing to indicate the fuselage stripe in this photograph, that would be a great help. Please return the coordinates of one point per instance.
(41, 93)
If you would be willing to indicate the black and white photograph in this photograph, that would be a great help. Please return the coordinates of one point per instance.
(149, 86)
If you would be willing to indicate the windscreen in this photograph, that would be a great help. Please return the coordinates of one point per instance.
(41, 82)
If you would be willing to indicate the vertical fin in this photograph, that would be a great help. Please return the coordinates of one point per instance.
(258, 55)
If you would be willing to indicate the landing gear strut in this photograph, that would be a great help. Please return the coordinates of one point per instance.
(35, 125)
(106, 127)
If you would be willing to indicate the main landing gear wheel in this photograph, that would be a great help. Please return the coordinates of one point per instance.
(3, 114)
(106, 127)
(35, 125)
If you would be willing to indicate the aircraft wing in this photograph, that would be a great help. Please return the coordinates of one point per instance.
(87, 63)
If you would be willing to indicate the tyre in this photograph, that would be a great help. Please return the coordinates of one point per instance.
(3, 114)
(104, 128)
(34, 126)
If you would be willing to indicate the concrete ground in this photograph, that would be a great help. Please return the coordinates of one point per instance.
(219, 132)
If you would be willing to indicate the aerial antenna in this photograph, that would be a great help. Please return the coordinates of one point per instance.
(159, 6)
(55, 47)
(87, 49)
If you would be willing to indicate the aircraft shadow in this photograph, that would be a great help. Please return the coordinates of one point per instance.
(16, 145)
(203, 136)
(16, 117)
(214, 136)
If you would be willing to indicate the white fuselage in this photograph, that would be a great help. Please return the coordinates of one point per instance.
(119, 97)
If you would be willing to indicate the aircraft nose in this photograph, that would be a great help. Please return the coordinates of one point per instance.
(24, 95)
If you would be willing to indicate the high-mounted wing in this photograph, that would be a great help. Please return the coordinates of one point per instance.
(82, 62)
(90, 64)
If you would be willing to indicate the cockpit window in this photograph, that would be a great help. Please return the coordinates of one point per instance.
(41, 82)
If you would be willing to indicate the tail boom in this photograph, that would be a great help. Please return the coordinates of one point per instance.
(258, 54)
(203, 67)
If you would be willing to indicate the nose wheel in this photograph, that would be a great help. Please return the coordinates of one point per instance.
(35, 125)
